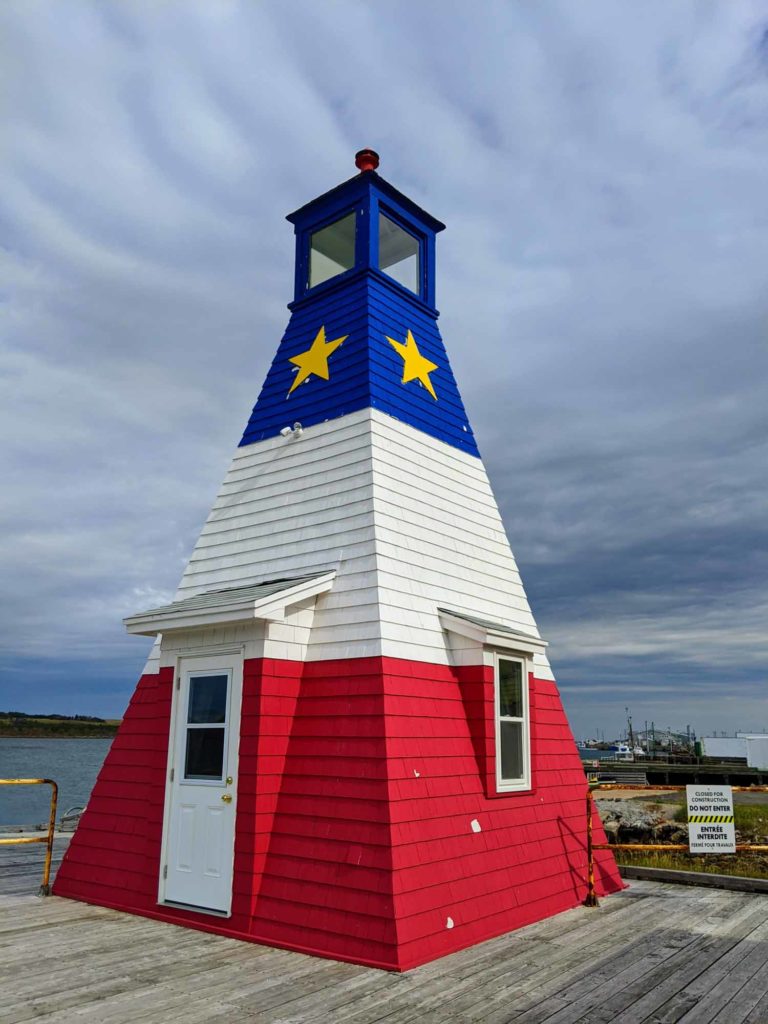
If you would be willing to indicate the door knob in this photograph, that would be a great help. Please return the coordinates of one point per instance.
(227, 798)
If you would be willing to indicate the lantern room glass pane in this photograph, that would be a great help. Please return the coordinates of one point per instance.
(332, 250)
(398, 253)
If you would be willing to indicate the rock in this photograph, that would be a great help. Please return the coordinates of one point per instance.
(640, 831)
(631, 821)
(611, 829)
(670, 832)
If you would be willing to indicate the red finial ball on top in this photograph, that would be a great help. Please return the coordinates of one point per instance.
(366, 160)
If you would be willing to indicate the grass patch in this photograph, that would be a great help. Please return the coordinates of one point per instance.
(752, 819)
(745, 865)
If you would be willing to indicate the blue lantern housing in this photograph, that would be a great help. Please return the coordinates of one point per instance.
(365, 272)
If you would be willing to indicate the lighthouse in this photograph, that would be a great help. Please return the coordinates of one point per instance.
(348, 739)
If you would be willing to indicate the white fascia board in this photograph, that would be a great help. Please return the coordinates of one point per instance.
(486, 636)
(164, 622)
(274, 607)
(271, 609)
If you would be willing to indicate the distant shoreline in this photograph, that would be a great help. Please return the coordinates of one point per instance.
(43, 727)
(43, 734)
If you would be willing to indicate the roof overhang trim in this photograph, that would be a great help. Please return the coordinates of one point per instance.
(234, 607)
(490, 634)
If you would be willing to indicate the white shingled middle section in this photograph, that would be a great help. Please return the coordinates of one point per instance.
(409, 523)
(289, 507)
(440, 542)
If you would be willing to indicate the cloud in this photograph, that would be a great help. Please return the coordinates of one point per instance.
(602, 284)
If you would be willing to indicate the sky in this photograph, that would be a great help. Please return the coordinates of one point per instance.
(601, 168)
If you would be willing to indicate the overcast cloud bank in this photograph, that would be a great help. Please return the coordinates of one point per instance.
(602, 282)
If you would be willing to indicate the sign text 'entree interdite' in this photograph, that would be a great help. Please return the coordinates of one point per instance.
(710, 819)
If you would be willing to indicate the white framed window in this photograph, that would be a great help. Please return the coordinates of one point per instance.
(206, 725)
(513, 732)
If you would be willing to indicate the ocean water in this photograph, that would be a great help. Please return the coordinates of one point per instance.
(72, 763)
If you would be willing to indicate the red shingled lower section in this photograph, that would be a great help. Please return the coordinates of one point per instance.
(453, 886)
(358, 783)
(325, 882)
(113, 856)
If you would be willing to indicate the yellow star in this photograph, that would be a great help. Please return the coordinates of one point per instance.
(415, 365)
(315, 359)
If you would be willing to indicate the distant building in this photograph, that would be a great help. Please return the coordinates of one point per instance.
(751, 748)
(348, 740)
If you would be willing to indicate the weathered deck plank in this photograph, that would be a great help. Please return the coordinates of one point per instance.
(712, 996)
(581, 988)
(656, 997)
(21, 867)
(654, 954)
(513, 961)
(744, 1002)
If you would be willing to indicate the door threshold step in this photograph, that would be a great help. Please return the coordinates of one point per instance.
(193, 908)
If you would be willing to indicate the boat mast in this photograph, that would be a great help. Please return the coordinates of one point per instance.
(629, 730)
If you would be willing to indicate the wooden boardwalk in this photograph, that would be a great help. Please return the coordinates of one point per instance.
(655, 954)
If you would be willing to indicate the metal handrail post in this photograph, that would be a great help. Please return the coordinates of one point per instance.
(591, 898)
(45, 888)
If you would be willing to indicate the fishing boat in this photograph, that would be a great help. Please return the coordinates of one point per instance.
(621, 752)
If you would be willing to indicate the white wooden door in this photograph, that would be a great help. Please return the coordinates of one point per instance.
(200, 812)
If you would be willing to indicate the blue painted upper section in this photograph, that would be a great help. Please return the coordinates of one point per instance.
(367, 305)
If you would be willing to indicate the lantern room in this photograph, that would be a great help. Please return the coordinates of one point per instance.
(365, 226)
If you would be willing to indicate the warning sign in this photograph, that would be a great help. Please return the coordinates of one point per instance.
(710, 819)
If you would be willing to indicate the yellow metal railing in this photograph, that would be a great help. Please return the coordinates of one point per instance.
(591, 897)
(45, 888)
